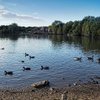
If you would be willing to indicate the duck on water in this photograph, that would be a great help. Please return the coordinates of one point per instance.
(44, 68)
(31, 57)
(98, 60)
(90, 58)
(22, 61)
(26, 68)
(2, 48)
(8, 72)
(26, 54)
(78, 58)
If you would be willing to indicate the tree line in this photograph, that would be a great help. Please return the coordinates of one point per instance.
(13, 29)
(89, 26)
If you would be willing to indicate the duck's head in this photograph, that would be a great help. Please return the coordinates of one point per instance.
(41, 67)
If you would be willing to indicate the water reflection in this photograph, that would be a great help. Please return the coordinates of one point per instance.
(58, 40)
(86, 43)
(11, 37)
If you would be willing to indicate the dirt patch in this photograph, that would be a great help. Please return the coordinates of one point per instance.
(81, 92)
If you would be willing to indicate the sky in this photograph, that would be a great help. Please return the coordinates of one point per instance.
(44, 12)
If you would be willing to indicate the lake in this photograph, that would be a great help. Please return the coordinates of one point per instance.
(55, 51)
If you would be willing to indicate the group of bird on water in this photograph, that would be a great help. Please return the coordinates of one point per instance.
(46, 67)
(25, 68)
(89, 58)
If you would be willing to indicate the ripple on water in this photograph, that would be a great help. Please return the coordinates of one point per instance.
(58, 55)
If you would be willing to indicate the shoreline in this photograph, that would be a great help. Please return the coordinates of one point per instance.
(78, 92)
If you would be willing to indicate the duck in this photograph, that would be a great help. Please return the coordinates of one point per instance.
(44, 68)
(90, 58)
(22, 61)
(26, 54)
(98, 60)
(8, 72)
(31, 57)
(77, 58)
(26, 68)
(2, 48)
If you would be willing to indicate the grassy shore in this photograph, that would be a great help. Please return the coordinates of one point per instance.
(80, 92)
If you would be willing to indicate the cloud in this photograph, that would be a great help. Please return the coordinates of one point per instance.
(8, 14)
(2, 9)
(7, 17)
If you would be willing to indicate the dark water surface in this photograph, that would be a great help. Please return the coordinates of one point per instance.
(57, 52)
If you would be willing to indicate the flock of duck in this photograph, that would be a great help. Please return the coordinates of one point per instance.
(25, 68)
(45, 67)
(89, 58)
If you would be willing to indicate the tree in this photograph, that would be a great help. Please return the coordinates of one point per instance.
(13, 29)
(67, 27)
(57, 27)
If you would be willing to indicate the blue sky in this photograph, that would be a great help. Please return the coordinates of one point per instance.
(44, 12)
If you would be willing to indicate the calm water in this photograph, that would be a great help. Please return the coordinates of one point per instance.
(57, 52)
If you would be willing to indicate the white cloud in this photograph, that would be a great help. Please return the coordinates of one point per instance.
(19, 18)
(8, 14)
(2, 9)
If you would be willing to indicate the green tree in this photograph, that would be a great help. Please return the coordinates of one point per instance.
(13, 29)
(67, 27)
(57, 27)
